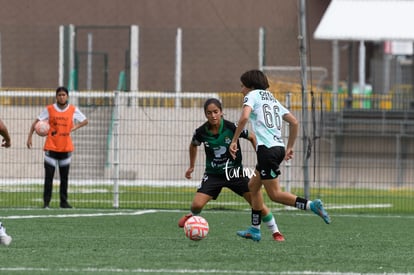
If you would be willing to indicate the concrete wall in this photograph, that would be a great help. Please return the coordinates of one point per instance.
(220, 40)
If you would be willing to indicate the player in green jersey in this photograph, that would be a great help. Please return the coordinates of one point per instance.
(266, 114)
(221, 170)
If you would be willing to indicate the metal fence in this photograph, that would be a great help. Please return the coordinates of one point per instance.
(134, 152)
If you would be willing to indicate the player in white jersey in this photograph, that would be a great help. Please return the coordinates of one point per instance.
(266, 115)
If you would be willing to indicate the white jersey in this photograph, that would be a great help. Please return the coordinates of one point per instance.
(266, 117)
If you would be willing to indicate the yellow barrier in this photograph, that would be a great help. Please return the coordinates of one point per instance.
(234, 99)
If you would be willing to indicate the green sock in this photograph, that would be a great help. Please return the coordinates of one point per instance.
(267, 218)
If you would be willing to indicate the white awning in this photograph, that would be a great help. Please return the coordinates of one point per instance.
(370, 20)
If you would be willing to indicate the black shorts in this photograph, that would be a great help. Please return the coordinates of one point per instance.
(58, 155)
(61, 159)
(269, 160)
(212, 184)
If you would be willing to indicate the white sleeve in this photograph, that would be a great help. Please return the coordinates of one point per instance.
(44, 115)
(78, 115)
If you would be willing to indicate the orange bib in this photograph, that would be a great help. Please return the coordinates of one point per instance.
(61, 124)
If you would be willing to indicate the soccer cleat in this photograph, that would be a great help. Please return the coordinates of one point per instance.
(317, 208)
(4, 238)
(65, 205)
(277, 236)
(182, 221)
(251, 233)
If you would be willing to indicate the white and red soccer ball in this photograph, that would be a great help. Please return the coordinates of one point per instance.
(196, 228)
(42, 128)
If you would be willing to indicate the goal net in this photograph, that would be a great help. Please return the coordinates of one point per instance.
(288, 78)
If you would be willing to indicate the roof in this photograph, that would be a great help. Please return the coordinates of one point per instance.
(372, 20)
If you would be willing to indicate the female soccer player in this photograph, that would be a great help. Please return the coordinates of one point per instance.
(221, 170)
(266, 115)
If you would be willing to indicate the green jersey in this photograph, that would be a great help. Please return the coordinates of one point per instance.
(218, 157)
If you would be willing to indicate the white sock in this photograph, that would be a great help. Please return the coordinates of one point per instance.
(272, 225)
(308, 204)
(2, 230)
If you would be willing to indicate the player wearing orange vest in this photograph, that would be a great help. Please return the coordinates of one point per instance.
(58, 146)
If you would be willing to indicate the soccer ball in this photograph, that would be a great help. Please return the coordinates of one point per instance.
(196, 228)
(42, 128)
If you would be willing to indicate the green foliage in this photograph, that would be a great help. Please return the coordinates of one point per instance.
(85, 241)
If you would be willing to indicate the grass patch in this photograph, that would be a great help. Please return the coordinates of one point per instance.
(91, 241)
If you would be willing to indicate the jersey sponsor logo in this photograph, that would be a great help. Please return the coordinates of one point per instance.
(218, 152)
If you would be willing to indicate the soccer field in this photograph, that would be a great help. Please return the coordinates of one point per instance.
(86, 241)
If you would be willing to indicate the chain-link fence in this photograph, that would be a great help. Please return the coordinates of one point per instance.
(134, 153)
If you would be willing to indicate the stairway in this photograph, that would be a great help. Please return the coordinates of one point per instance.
(90, 141)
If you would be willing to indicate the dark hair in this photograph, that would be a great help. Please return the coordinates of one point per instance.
(60, 89)
(254, 79)
(214, 101)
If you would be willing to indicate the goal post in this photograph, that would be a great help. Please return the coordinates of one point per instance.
(134, 59)
(66, 54)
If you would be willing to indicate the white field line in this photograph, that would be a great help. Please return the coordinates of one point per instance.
(218, 203)
(150, 211)
(184, 271)
(135, 213)
(14, 183)
(354, 206)
(235, 203)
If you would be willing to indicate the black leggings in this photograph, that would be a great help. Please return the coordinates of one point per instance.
(63, 161)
